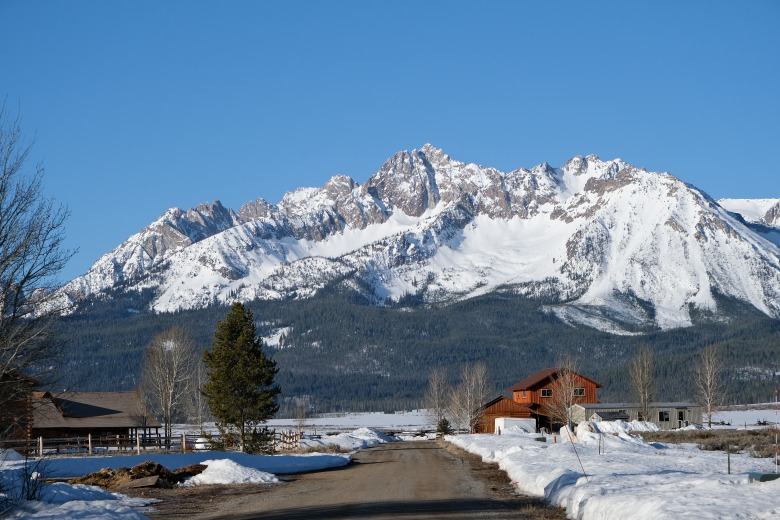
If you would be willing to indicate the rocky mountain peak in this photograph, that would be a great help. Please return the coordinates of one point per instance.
(258, 208)
(599, 239)
(339, 186)
(772, 216)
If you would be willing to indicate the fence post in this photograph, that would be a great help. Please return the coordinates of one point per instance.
(184, 443)
(40, 446)
(137, 442)
(89, 443)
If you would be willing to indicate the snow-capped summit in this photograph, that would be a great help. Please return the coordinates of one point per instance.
(606, 243)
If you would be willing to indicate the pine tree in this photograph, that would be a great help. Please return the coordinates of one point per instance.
(240, 388)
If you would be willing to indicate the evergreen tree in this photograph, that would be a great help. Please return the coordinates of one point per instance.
(240, 388)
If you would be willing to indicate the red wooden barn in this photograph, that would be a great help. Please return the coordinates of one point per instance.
(536, 391)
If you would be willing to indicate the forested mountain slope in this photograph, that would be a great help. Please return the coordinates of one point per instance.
(349, 355)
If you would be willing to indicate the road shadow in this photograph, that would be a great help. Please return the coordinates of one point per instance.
(451, 509)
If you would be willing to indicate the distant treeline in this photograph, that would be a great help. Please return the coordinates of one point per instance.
(347, 355)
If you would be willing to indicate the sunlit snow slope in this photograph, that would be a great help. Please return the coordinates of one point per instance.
(600, 242)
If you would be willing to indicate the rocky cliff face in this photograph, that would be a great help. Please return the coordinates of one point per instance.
(603, 242)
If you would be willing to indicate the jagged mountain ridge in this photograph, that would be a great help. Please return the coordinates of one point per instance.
(760, 215)
(603, 241)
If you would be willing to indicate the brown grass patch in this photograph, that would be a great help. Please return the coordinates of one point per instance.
(758, 443)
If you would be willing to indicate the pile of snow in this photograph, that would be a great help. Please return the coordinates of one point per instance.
(617, 427)
(355, 440)
(618, 475)
(225, 471)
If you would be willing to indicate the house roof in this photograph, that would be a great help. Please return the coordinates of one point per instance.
(626, 406)
(88, 410)
(543, 377)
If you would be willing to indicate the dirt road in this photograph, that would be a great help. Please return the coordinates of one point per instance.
(424, 480)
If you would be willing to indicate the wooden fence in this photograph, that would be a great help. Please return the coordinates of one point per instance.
(128, 444)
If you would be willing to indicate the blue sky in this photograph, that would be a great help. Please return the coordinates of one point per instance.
(139, 106)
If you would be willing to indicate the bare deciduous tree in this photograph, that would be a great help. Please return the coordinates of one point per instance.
(196, 407)
(170, 361)
(470, 395)
(643, 383)
(302, 406)
(31, 256)
(563, 389)
(708, 380)
(437, 396)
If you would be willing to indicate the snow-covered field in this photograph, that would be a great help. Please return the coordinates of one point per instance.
(616, 475)
(627, 478)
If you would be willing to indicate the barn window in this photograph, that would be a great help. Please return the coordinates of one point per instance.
(546, 392)
(524, 394)
(663, 416)
(579, 392)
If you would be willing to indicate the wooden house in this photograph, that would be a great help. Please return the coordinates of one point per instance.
(538, 391)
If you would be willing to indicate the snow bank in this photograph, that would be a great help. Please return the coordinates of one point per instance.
(617, 427)
(80, 502)
(618, 475)
(225, 471)
(355, 440)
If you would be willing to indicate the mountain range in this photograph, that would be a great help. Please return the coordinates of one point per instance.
(600, 243)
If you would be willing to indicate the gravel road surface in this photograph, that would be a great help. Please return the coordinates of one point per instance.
(420, 480)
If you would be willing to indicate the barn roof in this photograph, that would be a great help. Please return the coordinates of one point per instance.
(88, 410)
(543, 377)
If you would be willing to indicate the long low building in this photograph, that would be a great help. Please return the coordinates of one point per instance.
(96, 413)
(667, 416)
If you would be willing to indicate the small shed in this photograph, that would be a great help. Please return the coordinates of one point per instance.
(501, 407)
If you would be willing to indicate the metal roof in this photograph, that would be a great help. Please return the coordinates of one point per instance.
(623, 406)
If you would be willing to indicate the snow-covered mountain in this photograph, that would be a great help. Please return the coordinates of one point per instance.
(761, 215)
(603, 242)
